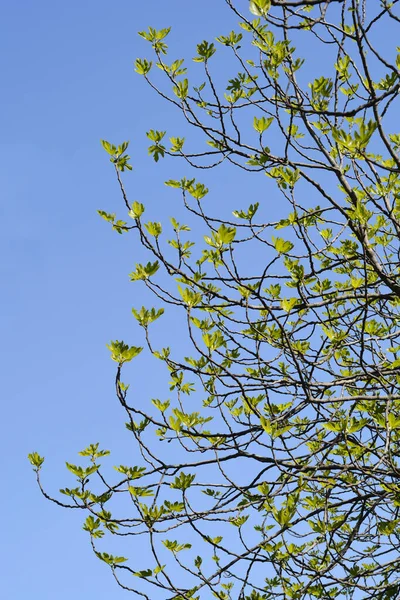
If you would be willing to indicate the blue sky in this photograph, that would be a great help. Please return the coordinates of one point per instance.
(68, 80)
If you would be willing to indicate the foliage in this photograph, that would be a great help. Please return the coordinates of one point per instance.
(272, 470)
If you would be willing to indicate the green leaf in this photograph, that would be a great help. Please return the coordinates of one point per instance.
(93, 452)
(198, 191)
(204, 51)
(144, 271)
(144, 574)
(239, 521)
(146, 316)
(181, 89)
(288, 303)
(260, 8)
(154, 229)
(232, 40)
(393, 421)
(131, 472)
(177, 144)
(118, 156)
(142, 66)
(122, 353)
(162, 406)
(183, 482)
(213, 341)
(262, 124)
(80, 472)
(136, 211)
(282, 246)
(110, 559)
(388, 527)
(91, 524)
(224, 236)
(140, 492)
(173, 183)
(175, 547)
(109, 148)
(36, 460)
(110, 217)
(336, 427)
(249, 214)
(190, 297)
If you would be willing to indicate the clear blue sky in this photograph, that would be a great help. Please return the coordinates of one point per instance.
(67, 81)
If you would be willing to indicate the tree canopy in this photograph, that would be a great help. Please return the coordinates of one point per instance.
(270, 468)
